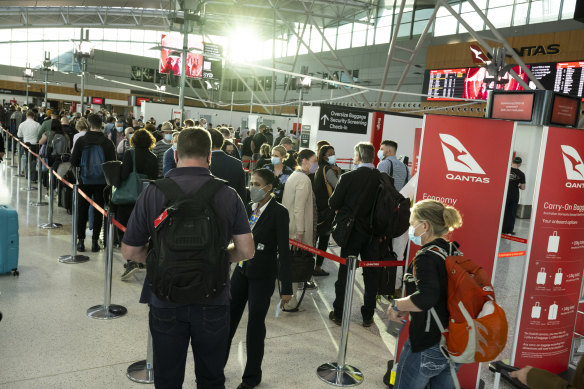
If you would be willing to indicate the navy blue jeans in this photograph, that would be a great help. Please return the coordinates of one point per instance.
(428, 368)
(206, 327)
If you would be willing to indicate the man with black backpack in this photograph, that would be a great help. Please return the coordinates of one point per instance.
(181, 227)
(89, 153)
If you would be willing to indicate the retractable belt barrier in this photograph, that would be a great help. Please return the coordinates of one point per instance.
(513, 238)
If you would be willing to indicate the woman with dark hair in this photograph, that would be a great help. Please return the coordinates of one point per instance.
(253, 281)
(325, 181)
(141, 144)
(280, 170)
(299, 200)
(55, 142)
(229, 149)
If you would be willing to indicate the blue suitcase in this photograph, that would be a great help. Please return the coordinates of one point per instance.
(8, 240)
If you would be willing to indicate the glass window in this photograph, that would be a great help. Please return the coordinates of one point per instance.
(445, 25)
(420, 26)
(110, 34)
(278, 48)
(383, 31)
(292, 42)
(137, 36)
(152, 36)
(568, 9)
(344, 36)
(474, 20)
(5, 59)
(268, 49)
(543, 11)
(370, 35)
(305, 38)
(498, 3)
(95, 34)
(520, 17)
(331, 36)
(500, 17)
(359, 35)
(404, 29)
(111, 46)
(315, 40)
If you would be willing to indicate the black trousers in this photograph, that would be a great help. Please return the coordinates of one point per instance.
(95, 191)
(368, 248)
(256, 293)
(323, 241)
(510, 214)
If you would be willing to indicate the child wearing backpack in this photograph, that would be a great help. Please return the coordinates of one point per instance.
(421, 361)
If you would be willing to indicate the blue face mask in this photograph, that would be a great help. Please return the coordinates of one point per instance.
(130, 135)
(380, 155)
(174, 146)
(332, 159)
(417, 240)
(168, 137)
(275, 161)
(119, 129)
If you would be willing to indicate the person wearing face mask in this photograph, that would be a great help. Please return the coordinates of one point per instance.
(325, 182)
(163, 145)
(117, 133)
(253, 281)
(353, 194)
(426, 284)
(300, 202)
(280, 169)
(125, 143)
(168, 161)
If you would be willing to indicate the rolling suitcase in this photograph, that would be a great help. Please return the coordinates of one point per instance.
(8, 240)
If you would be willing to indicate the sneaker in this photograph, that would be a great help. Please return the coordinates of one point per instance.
(367, 322)
(131, 269)
(80, 245)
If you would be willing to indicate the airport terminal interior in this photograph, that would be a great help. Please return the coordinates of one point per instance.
(465, 88)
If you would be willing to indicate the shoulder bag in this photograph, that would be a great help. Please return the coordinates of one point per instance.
(130, 188)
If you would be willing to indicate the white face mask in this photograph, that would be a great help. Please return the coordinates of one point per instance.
(417, 240)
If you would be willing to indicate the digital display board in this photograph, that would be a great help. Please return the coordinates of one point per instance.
(212, 61)
(97, 100)
(140, 100)
(171, 56)
(565, 110)
(512, 106)
(447, 84)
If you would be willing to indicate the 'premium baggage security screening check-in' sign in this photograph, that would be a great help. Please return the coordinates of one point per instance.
(342, 119)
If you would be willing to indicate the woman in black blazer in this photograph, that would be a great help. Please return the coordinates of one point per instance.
(253, 281)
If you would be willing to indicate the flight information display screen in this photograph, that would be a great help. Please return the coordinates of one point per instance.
(469, 83)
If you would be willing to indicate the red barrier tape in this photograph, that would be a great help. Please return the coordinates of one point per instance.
(512, 254)
(513, 238)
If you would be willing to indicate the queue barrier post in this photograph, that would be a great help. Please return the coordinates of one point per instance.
(13, 162)
(143, 371)
(108, 311)
(39, 202)
(19, 162)
(339, 373)
(29, 187)
(74, 257)
(50, 225)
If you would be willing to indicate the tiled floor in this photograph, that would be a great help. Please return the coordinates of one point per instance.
(47, 341)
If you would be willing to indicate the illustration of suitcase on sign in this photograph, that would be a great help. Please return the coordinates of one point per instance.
(541, 277)
(536, 311)
(553, 243)
(553, 313)
(558, 277)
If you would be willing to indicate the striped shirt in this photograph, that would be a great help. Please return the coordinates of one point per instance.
(401, 173)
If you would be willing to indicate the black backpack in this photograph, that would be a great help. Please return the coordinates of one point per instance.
(390, 216)
(187, 261)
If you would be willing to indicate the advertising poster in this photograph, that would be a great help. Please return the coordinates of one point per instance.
(416, 153)
(171, 56)
(457, 167)
(376, 137)
(555, 257)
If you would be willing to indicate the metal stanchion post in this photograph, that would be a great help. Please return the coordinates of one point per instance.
(143, 371)
(74, 257)
(18, 158)
(39, 201)
(339, 373)
(29, 187)
(13, 153)
(108, 311)
(50, 225)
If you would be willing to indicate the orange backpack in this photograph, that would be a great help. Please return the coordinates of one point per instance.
(477, 328)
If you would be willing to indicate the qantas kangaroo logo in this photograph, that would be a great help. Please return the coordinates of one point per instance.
(458, 159)
(573, 164)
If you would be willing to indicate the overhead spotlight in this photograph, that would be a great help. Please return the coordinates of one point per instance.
(28, 73)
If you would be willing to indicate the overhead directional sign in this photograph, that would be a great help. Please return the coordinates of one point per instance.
(343, 119)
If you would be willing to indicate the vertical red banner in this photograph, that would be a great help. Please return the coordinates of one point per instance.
(456, 167)
(376, 132)
(416, 153)
(555, 257)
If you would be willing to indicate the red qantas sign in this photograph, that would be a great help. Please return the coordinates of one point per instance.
(551, 289)
(478, 55)
(464, 162)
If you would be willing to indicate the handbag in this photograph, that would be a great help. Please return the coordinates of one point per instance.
(130, 188)
(387, 275)
(301, 265)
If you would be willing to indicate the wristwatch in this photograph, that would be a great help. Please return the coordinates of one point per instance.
(394, 306)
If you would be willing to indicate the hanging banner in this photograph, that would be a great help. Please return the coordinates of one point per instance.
(553, 276)
(416, 153)
(376, 136)
(457, 168)
(343, 119)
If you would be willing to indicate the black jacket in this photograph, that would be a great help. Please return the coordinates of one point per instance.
(229, 169)
(271, 233)
(146, 163)
(246, 146)
(349, 189)
(428, 290)
(93, 138)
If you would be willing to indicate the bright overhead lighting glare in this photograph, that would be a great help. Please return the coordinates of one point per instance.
(306, 81)
(243, 45)
(28, 73)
